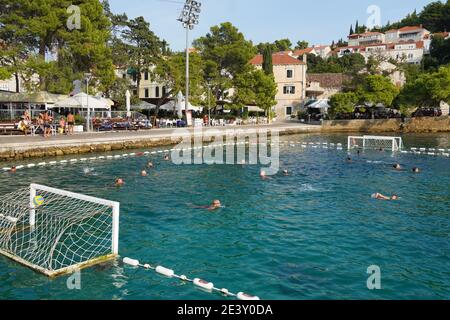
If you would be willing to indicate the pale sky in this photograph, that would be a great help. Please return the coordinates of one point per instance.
(317, 21)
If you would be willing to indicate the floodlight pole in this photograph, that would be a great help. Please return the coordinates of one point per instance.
(189, 17)
(186, 100)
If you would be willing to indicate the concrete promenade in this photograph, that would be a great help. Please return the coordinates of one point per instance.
(18, 147)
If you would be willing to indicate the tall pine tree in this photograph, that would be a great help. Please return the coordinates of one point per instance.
(267, 61)
(351, 30)
(58, 54)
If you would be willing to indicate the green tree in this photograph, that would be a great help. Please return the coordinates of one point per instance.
(433, 16)
(427, 90)
(143, 46)
(117, 93)
(267, 61)
(283, 45)
(13, 60)
(4, 74)
(351, 30)
(170, 70)
(376, 89)
(225, 53)
(343, 102)
(261, 47)
(439, 53)
(255, 88)
(352, 63)
(41, 27)
(301, 45)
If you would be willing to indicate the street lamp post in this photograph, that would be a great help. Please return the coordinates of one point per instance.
(209, 104)
(189, 18)
(88, 118)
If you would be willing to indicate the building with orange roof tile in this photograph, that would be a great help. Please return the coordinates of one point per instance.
(290, 77)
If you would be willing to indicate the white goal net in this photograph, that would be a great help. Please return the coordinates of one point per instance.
(375, 143)
(56, 232)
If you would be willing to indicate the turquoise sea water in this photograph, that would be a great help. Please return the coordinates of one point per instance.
(310, 235)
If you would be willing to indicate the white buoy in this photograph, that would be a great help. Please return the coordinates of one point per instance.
(225, 291)
(246, 297)
(164, 271)
(203, 284)
(131, 262)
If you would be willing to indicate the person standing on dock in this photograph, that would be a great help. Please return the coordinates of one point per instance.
(70, 123)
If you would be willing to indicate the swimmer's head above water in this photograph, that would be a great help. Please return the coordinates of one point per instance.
(215, 205)
(119, 182)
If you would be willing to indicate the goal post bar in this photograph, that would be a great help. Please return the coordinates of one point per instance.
(115, 206)
(396, 142)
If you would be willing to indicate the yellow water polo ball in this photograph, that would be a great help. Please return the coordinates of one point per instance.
(38, 201)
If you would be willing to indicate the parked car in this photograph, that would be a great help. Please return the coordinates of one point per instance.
(428, 112)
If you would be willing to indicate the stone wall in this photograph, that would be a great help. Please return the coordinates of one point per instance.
(416, 125)
(83, 149)
(419, 125)
(27, 152)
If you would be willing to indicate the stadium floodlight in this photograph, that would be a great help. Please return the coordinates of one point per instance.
(189, 17)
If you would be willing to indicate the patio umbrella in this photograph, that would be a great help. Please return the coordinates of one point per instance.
(143, 105)
(80, 101)
(180, 105)
(128, 97)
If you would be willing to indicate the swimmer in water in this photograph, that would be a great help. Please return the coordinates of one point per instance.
(416, 170)
(397, 166)
(144, 173)
(215, 205)
(119, 182)
(13, 170)
(349, 159)
(379, 196)
(263, 175)
(150, 165)
(285, 172)
(166, 157)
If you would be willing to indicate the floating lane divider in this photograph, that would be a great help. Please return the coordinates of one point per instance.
(205, 285)
(314, 145)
